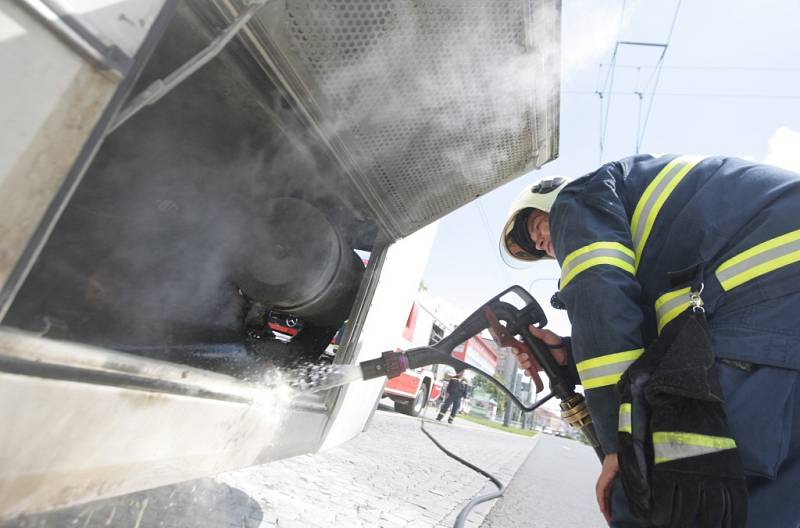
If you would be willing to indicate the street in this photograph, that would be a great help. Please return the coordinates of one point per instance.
(391, 476)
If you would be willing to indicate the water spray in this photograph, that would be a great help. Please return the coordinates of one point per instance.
(505, 321)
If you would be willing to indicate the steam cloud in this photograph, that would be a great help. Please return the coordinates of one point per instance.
(450, 91)
(434, 91)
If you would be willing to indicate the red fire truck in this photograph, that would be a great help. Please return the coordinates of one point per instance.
(424, 326)
(411, 390)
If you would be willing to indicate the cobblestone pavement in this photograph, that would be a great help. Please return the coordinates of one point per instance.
(390, 476)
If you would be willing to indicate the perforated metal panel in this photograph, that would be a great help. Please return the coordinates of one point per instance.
(438, 101)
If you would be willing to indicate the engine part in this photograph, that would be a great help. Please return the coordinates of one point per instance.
(299, 263)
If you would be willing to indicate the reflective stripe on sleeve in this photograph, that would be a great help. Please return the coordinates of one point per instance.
(671, 305)
(606, 370)
(671, 445)
(759, 260)
(610, 253)
(653, 198)
(625, 418)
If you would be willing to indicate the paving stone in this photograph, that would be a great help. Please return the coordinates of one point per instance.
(285, 522)
(390, 476)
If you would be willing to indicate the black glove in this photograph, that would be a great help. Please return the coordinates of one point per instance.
(684, 468)
(635, 453)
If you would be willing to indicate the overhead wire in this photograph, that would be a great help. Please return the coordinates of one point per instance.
(717, 68)
(640, 94)
(657, 73)
(599, 111)
(607, 91)
(608, 85)
(697, 94)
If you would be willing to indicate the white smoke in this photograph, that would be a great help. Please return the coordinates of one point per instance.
(434, 91)
(594, 29)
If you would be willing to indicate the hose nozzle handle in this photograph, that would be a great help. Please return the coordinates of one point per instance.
(390, 364)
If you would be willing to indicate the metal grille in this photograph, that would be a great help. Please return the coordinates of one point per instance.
(439, 101)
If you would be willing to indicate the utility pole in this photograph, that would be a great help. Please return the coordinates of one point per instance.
(511, 379)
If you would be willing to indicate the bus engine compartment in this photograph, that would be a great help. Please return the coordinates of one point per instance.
(196, 219)
(262, 213)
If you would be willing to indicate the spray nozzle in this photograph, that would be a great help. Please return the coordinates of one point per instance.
(390, 364)
(505, 320)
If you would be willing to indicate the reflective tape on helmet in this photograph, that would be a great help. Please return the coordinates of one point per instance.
(596, 254)
(671, 305)
(653, 198)
(672, 445)
(606, 370)
(625, 418)
(760, 260)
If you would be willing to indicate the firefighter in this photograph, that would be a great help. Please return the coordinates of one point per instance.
(665, 259)
(456, 390)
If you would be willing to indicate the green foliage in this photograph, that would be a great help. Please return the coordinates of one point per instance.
(490, 388)
(495, 425)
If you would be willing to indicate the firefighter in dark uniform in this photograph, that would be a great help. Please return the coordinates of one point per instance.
(664, 260)
(456, 390)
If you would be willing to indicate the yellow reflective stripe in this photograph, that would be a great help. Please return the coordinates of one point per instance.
(596, 254)
(602, 381)
(606, 370)
(759, 260)
(670, 305)
(609, 359)
(760, 248)
(611, 261)
(673, 445)
(625, 418)
(653, 198)
(597, 245)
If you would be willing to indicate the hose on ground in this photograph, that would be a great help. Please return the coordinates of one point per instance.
(462, 515)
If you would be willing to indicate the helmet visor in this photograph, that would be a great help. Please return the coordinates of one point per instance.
(516, 247)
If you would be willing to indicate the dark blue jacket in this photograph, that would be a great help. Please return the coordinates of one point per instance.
(456, 388)
(620, 232)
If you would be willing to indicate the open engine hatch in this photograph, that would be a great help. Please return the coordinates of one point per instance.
(254, 216)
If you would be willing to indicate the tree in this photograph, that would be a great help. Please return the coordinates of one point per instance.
(490, 388)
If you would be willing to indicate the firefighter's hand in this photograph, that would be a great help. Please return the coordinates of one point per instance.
(553, 341)
(605, 485)
(524, 362)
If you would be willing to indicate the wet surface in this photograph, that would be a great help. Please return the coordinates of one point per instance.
(203, 502)
(314, 377)
(390, 476)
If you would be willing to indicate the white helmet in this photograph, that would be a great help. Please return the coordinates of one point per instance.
(516, 246)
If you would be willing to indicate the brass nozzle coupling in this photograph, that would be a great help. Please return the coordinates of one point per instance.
(575, 412)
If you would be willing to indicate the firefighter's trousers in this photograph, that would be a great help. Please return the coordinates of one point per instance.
(450, 401)
(763, 409)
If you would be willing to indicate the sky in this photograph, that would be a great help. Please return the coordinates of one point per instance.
(728, 86)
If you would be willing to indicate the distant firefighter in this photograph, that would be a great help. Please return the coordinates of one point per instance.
(456, 390)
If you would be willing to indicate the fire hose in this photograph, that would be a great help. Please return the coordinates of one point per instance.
(505, 321)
